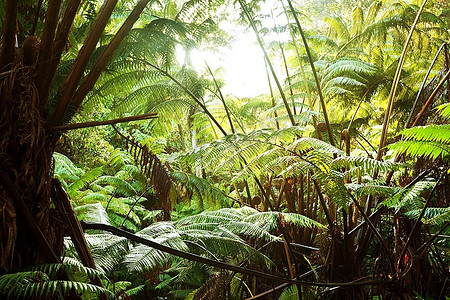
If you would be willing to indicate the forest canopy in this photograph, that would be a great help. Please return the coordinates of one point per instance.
(132, 167)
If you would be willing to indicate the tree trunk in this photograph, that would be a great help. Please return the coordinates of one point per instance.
(29, 231)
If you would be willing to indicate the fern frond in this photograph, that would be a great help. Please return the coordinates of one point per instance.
(142, 257)
(363, 164)
(444, 110)
(94, 212)
(426, 149)
(270, 220)
(108, 250)
(290, 293)
(251, 230)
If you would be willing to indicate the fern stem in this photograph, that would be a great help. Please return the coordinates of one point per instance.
(372, 227)
(272, 97)
(106, 122)
(395, 84)
(313, 68)
(425, 246)
(430, 99)
(198, 101)
(88, 83)
(70, 83)
(221, 97)
(59, 44)
(46, 47)
(8, 35)
(132, 206)
(416, 224)
(422, 86)
(266, 56)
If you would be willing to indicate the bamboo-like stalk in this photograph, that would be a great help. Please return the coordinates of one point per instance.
(395, 84)
(266, 56)
(316, 78)
(106, 122)
(88, 83)
(71, 81)
(8, 34)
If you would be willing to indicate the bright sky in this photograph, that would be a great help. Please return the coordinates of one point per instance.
(242, 66)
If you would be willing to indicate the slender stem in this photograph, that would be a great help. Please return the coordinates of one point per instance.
(59, 44)
(222, 98)
(46, 47)
(430, 99)
(266, 56)
(416, 224)
(272, 97)
(36, 17)
(372, 227)
(424, 247)
(316, 78)
(422, 86)
(132, 206)
(395, 84)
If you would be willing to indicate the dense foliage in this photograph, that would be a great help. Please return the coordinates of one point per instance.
(335, 185)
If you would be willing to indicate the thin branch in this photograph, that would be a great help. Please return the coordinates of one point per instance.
(106, 122)
(424, 247)
(198, 101)
(422, 86)
(430, 99)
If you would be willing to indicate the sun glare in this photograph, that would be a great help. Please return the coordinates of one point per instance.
(242, 64)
